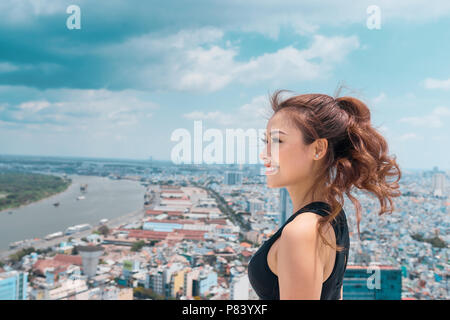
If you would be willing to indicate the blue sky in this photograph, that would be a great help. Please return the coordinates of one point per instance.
(136, 71)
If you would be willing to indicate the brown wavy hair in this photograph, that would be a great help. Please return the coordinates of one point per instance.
(357, 154)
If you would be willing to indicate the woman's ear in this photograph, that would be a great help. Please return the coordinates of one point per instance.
(320, 148)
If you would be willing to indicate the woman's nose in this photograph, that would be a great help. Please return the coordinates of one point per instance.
(263, 156)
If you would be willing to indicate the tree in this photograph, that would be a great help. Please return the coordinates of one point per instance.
(137, 245)
(103, 230)
(143, 293)
(16, 257)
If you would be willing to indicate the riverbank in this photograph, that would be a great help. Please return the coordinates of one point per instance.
(105, 199)
(65, 180)
(37, 201)
(114, 223)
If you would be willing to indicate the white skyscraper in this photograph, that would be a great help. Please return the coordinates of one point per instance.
(438, 184)
(239, 288)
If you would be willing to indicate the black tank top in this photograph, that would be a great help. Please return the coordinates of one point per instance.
(265, 282)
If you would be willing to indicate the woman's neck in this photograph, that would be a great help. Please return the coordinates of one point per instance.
(300, 198)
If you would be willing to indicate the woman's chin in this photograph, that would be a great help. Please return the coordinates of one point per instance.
(273, 182)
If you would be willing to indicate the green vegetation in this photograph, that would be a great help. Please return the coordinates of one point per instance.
(435, 241)
(142, 293)
(44, 251)
(18, 188)
(151, 243)
(137, 246)
(74, 251)
(16, 257)
(103, 230)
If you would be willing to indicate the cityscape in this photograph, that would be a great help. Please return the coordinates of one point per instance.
(198, 226)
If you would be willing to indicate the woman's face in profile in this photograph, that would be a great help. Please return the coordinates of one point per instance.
(287, 159)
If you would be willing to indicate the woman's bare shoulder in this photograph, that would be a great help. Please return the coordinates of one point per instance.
(303, 225)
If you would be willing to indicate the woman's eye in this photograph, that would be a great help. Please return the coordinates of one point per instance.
(276, 140)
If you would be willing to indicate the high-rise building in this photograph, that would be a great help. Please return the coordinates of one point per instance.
(189, 277)
(233, 178)
(13, 285)
(155, 281)
(438, 184)
(286, 207)
(239, 288)
(374, 282)
(207, 278)
(255, 205)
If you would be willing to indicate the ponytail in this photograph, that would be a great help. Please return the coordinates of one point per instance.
(366, 164)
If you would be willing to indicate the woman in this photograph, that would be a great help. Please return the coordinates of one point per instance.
(319, 148)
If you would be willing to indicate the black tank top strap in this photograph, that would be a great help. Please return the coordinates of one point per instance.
(318, 207)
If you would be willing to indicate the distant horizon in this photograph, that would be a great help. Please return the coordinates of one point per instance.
(170, 161)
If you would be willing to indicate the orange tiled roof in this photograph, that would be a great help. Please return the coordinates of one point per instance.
(246, 244)
(76, 260)
(158, 212)
(246, 253)
(180, 221)
(42, 264)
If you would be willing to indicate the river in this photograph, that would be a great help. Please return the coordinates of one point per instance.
(105, 198)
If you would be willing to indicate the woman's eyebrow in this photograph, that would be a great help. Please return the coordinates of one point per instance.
(275, 131)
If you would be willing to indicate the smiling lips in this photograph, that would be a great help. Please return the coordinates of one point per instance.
(270, 169)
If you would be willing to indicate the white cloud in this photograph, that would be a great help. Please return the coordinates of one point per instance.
(193, 61)
(34, 106)
(250, 115)
(409, 136)
(7, 67)
(291, 64)
(263, 16)
(79, 109)
(378, 99)
(432, 120)
(431, 83)
(218, 117)
(24, 11)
